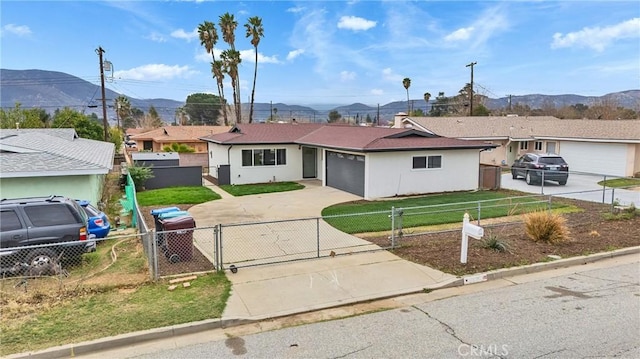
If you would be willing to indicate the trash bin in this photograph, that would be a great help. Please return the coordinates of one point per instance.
(178, 238)
(174, 214)
(156, 213)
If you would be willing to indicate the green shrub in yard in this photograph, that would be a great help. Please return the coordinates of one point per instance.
(543, 226)
(493, 242)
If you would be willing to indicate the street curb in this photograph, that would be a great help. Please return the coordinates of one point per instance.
(72, 350)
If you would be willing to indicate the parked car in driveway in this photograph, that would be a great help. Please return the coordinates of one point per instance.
(98, 223)
(537, 167)
(36, 232)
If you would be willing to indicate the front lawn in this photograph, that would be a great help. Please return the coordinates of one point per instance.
(176, 195)
(258, 188)
(374, 216)
(621, 182)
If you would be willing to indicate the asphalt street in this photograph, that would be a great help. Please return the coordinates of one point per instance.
(589, 313)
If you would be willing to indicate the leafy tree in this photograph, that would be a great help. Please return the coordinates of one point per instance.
(406, 82)
(427, 96)
(154, 113)
(368, 119)
(134, 120)
(203, 109)
(334, 116)
(140, 174)
(116, 136)
(178, 147)
(231, 58)
(181, 118)
(440, 106)
(255, 31)
(18, 117)
(417, 113)
(85, 126)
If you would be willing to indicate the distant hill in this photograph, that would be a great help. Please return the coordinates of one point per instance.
(50, 90)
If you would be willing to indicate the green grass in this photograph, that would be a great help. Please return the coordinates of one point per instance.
(621, 182)
(373, 216)
(249, 189)
(113, 311)
(176, 195)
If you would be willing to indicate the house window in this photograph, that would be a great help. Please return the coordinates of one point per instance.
(266, 157)
(538, 145)
(147, 145)
(524, 145)
(420, 162)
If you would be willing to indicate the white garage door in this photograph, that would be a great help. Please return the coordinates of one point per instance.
(600, 158)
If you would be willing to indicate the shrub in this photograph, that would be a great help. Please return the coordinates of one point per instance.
(495, 243)
(140, 174)
(543, 226)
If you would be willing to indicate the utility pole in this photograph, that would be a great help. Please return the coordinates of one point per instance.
(378, 116)
(509, 102)
(100, 51)
(471, 94)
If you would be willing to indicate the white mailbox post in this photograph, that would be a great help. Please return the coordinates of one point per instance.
(468, 229)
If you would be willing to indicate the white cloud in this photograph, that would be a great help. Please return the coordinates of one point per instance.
(250, 56)
(19, 30)
(389, 75)
(355, 23)
(377, 92)
(296, 9)
(154, 36)
(295, 53)
(153, 72)
(460, 34)
(598, 38)
(347, 75)
(181, 34)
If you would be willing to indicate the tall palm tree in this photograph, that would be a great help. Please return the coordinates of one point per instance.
(427, 96)
(256, 31)
(218, 69)
(180, 117)
(406, 82)
(228, 25)
(123, 109)
(209, 38)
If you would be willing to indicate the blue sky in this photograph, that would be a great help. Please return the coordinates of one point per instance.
(336, 52)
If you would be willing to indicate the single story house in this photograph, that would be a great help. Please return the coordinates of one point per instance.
(606, 147)
(372, 162)
(42, 162)
(155, 140)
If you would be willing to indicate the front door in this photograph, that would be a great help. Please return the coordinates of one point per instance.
(309, 165)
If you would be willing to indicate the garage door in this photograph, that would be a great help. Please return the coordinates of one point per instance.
(345, 172)
(600, 158)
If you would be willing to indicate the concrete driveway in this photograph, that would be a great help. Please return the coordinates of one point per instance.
(579, 186)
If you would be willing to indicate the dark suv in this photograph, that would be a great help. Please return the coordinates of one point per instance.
(26, 223)
(537, 167)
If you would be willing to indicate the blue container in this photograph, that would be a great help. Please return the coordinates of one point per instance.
(156, 212)
(173, 214)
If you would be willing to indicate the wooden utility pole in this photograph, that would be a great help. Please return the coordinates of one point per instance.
(100, 51)
(471, 93)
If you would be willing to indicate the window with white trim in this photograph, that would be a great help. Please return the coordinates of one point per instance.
(537, 146)
(524, 145)
(421, 162)
(264, 157)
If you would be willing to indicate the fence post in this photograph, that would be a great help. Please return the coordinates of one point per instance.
(549, 203)
(542, 182)
(604, 188)
(479, 211)
(221, 246)
(216, 251)
(393, 227)
(154, 251)
(613, 196)
(318, 236)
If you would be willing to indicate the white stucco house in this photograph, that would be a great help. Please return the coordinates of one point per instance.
(43, 162)
(371, 162)
(603, 147)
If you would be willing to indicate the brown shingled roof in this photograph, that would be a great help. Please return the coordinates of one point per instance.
(180, 133)
(530, 128)
(357, 138)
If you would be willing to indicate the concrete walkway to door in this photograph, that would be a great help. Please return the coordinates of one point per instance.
(268, 291)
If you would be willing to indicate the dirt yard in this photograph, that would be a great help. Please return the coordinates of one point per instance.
(590, 232)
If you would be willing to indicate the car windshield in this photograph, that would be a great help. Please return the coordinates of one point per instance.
(552, 160)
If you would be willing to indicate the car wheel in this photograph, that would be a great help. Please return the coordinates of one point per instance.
(514, 175)
(41, 261)
(527, 178)
(562, 183)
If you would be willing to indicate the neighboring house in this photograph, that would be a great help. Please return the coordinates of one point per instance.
(608, 147)
(371, 162)
(155, 140)
(42, 162)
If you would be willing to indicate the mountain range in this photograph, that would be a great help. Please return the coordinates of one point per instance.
(51, 90)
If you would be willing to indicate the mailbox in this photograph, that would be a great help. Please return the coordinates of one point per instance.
(473, 230)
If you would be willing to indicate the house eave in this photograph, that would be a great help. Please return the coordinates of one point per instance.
(25, 174)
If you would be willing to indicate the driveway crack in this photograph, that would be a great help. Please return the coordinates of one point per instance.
(353, 352)
(447, 327)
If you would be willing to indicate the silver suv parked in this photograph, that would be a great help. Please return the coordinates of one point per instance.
(28, 224)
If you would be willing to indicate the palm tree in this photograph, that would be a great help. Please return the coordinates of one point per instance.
(427, 96)
(256, 31)
(406, 82)
(209, 38)
(180, 117)
(123, 108)
(228, 25)
(218, 69)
